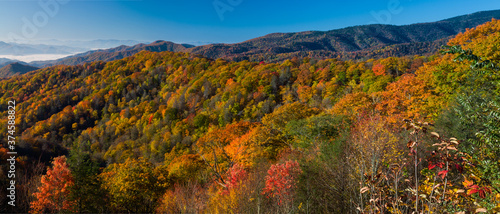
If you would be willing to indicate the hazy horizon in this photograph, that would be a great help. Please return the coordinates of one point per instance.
(36, 57)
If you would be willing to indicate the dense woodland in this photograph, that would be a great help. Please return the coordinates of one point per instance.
(178, 133)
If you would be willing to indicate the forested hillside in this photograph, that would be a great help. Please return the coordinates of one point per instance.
(15, 68)
(179, 133)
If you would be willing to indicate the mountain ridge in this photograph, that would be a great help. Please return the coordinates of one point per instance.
(16, 68)
(111, 54)
(349, 39)
(355, 42)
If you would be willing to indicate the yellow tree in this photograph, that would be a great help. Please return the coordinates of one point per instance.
(134, 186)
(484, 40)
(352, 105)
(409, 97)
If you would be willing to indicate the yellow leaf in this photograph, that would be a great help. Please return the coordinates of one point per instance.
(481, 210)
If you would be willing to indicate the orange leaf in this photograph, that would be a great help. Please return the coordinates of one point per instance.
(443, 173)
(467, 183)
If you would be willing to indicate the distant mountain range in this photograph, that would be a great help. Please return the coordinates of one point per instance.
(31, 49)
(5, 61)
(115, 53)
(358, 42)
(90, 44)
(351, 42)
(15, 68)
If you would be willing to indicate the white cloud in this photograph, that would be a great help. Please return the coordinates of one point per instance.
(36, 57)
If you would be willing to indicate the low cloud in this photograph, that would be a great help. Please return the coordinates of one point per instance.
(35, 57)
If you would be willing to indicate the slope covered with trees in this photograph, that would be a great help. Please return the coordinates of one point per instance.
(179, 133)
(15, 68)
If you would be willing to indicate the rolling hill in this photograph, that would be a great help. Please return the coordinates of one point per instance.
(119, 52)
(5, 61)
(89, 44)
(15, 68)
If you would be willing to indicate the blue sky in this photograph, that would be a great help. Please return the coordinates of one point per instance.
(201, 21)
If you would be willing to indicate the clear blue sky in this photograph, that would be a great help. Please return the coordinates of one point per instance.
(199, 21)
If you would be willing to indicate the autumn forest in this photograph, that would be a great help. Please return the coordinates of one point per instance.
(174, 132)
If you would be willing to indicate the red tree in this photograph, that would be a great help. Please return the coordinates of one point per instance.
(281, 181)
(235, 176)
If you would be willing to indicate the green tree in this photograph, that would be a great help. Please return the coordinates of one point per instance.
(87, 191)
(475, 114)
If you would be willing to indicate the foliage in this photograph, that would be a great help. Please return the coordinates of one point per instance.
(134, 186)
(53, 194)
(281, 181)
(177, 132)
(87, 191)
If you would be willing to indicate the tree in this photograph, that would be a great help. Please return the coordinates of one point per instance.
(288, 112)
(87, 191)
(482, 40)
(352, 105)
(281, 181)
(185, 167)
(183, 198)
(250, 147)
(409, 97)
(279, 118)
(211, 148)
(53, 194)
(314, 131)
(475, 114)
(235, 196)
(134, 186)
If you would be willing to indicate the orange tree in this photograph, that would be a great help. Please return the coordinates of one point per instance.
(53, 194)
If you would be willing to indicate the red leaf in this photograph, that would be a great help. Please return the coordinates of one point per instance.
(481, 194)
(443, 173)
(440, 165)
(472, 191)
(431, 166)
(487, 189)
